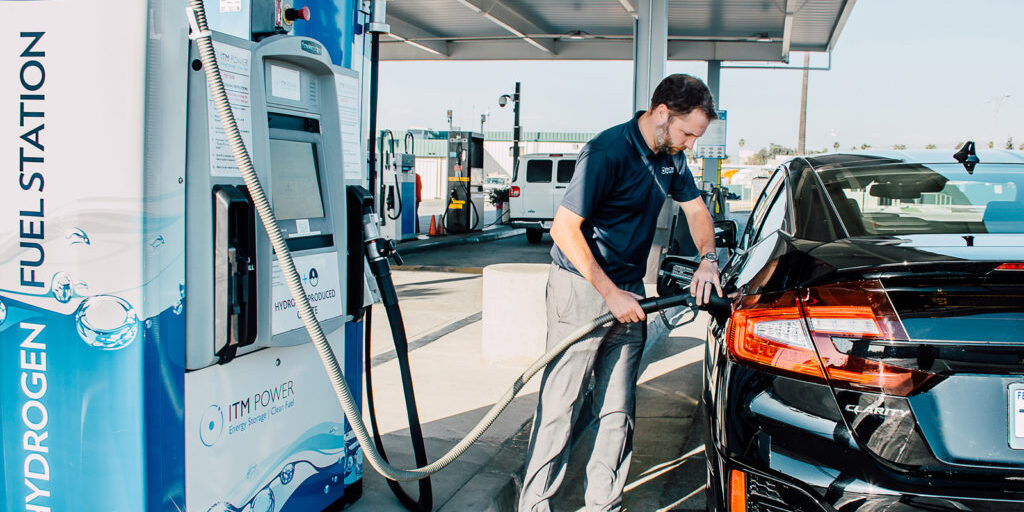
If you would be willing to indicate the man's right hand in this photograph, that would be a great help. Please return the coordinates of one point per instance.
(625, 306)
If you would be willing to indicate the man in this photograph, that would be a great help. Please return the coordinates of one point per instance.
(603, 232)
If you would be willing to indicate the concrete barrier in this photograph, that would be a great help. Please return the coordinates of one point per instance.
(514, 314)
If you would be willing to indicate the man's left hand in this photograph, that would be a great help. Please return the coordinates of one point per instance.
(704, 279)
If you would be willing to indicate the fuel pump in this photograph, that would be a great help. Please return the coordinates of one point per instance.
(164, 361)
(397, 192)
(465, 196)
(158, 306)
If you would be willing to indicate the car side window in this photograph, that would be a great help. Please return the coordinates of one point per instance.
(757, 214)
(776, 216)
(565, 170)
(538, 171)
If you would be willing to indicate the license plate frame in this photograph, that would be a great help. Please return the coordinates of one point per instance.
(1015, 418)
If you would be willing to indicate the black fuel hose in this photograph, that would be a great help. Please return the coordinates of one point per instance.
(425, 501)
(389, 298)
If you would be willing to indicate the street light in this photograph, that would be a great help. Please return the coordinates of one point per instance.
(502, 101)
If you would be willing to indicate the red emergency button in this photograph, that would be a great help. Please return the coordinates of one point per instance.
(296, 14)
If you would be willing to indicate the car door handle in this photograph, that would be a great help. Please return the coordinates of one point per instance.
(559, 186)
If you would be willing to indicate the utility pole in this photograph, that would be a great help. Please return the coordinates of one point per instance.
(801, 144)
(502, 101)
(515, 126)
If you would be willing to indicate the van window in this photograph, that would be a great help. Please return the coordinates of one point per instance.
(565, 169)
(538, 171)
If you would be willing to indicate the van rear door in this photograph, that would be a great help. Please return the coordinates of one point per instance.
(563, 175)
(536, 189)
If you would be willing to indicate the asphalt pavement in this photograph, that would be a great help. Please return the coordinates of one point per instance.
(440, 291)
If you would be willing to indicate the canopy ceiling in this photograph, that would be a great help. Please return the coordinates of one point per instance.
(724, 30)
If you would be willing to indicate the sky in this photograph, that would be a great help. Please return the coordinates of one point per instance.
(912, 72)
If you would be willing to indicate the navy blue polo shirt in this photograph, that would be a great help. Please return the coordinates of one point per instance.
(618, 188)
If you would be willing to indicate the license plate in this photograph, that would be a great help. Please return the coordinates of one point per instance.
(1016, 402)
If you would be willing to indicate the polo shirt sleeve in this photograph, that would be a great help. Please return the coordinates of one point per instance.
(591, 182)
(683, 188)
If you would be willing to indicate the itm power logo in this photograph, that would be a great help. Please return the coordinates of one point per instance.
(245, 413)
(212, 425)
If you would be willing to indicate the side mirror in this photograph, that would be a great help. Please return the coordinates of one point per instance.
(725, 233)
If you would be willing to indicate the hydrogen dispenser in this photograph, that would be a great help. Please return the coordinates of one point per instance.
(151, 355)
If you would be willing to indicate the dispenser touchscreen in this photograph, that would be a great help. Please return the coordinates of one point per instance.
(295, 180)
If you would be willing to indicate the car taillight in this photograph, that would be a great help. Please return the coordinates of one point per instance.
(798, 334)
(769, 331)
(513, 192)
(1011, 266)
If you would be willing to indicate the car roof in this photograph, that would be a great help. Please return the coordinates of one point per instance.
(933, 156)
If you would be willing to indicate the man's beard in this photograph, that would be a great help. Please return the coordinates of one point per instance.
(663, 142)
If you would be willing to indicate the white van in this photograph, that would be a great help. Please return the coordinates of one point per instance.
(538, 184)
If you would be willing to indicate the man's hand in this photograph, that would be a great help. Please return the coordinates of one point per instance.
(704, 279)
(624, 305)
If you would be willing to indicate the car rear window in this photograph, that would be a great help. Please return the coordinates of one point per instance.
(928, 198)
(538, 171)
(565, 170)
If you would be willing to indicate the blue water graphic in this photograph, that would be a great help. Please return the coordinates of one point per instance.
(62, 287)
(77, 236)
(263, 502)
(287, 473)
(107, 322)
(180, 305)
(223, 507)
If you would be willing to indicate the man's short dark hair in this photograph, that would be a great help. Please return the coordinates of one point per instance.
(683, 93)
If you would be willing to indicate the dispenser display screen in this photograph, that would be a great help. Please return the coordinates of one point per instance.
(295, 180)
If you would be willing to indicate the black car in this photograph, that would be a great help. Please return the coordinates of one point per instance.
(874, 356)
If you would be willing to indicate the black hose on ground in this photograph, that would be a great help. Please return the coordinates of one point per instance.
(389, 297)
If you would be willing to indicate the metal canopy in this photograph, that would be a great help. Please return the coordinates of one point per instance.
(722, 30)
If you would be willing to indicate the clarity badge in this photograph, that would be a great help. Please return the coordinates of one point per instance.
(668, 170)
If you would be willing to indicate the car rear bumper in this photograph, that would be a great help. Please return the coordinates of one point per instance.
(805, 459)
(775, 492)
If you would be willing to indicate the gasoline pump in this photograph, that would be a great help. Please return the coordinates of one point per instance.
(465, 196)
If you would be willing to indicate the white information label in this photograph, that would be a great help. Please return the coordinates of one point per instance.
(234, 65)
(285, 83)
(319, 273)
(347, 88)
(230, 5)
(302, 226)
